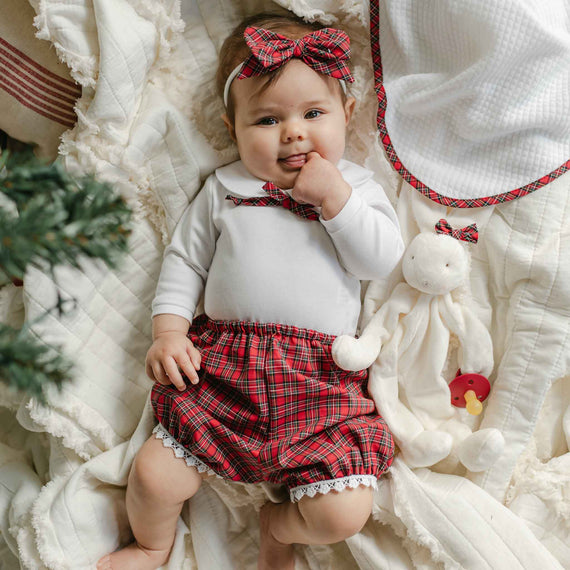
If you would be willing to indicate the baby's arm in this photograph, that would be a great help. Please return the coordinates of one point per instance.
(366, 233)
(181, 283)
(172, 351)
(187, 258)
(361, 222)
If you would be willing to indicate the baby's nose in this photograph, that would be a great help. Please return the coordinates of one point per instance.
(293, 131)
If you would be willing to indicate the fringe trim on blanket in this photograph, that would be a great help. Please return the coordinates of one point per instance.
(27, 552)
(41, 524)
(301, 9)
(83, 68)
(417, 541)
(352, 8)
(548, 481)
(86, 148)
(86, 445)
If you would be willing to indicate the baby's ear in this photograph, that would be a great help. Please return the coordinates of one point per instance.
(230, 126)
(349, 108)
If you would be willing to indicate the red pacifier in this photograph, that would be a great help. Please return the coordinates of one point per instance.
(468, 391)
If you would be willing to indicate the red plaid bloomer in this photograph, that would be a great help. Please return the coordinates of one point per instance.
(272, 405)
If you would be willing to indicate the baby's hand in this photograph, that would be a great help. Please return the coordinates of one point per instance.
(320, 183)
(170, 353)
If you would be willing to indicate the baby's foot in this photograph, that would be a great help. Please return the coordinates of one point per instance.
(273, 555)
(133, 557)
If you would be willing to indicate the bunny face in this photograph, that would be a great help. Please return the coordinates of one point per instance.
(435, 264)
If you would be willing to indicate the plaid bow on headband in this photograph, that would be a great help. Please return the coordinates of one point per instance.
(326, 51)
(468, 233)
(276, 197)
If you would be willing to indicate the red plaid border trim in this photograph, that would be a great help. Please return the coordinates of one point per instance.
(35, 87)
(277, 197)
(326, 51)
(397, 163)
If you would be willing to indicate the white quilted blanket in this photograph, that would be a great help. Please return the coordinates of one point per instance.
(149, 122)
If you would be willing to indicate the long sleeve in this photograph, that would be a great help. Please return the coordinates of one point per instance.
(366, 233)
(265, 264)
(187, 259)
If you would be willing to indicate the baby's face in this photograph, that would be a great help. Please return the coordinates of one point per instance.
(302, 111)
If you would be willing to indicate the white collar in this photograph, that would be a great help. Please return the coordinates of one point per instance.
(237, 179)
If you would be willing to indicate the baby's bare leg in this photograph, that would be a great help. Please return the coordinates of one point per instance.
(159, 484)
(323, 519)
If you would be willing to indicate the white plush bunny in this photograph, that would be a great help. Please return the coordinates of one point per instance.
(407, 344)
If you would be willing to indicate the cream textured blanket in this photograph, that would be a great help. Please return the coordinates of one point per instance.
(148, 121)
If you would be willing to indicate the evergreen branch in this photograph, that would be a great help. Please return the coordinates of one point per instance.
(48, 218)
(59, 219)
(28, 366)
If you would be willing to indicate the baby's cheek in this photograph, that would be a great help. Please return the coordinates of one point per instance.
(252, 153)
(331, 145)
(262, 148)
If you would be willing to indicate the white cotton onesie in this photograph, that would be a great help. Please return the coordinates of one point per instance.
(266, 264)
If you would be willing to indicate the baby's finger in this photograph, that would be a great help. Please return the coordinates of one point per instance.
(173, 374)
(149, 371)
(159, 374)
(187, 367)
(313, 154)
(195, 356)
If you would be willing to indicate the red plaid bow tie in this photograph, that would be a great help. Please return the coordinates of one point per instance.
(326, 51)
(277, 197)
(468, 233)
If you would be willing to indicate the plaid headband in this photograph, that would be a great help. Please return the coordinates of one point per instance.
(326, 51)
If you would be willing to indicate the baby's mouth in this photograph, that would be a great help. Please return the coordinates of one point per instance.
(294, 160)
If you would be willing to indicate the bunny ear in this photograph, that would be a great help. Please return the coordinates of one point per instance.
(417, 213)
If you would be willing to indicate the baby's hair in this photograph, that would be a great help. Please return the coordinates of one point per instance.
(234, 49)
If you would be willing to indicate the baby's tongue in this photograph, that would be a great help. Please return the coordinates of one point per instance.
(295, 160)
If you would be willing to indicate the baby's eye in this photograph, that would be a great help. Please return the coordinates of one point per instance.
(313, 114)
(267, 121)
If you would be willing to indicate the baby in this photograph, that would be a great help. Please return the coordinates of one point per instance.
(277, 243)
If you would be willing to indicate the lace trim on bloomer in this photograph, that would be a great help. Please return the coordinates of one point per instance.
(180, 451)
(296, 493)
(324, 487)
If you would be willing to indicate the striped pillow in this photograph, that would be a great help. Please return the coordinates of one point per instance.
(37, 94)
